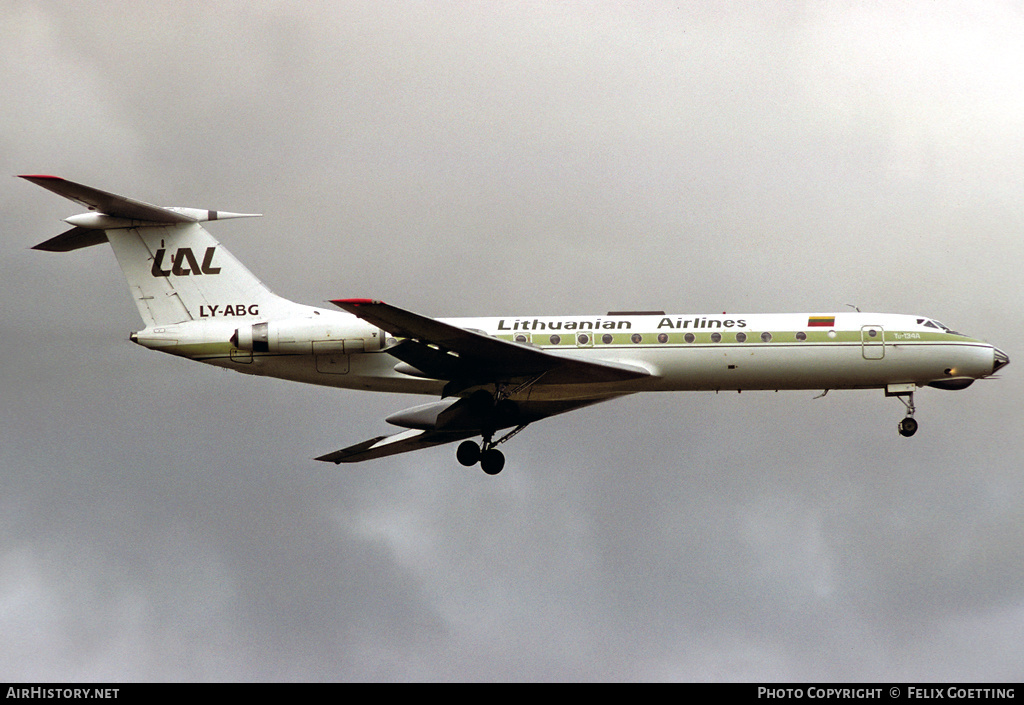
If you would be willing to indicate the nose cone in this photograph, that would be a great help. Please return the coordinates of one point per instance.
(999, 360)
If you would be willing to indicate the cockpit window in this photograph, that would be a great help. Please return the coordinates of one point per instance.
(939, 326)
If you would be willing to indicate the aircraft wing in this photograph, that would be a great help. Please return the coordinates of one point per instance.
(443, 351)
(466, 358)
(447, 421)
(381, 446)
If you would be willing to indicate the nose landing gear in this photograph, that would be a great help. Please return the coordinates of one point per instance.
(908, 426)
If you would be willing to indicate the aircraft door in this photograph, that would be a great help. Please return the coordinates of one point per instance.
(872, 342)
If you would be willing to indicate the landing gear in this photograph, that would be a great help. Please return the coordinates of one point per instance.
(491, 459)
(908, 426)
(494, 411)
(468, 453)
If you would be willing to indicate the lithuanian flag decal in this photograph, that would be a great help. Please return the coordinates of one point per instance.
(817, 321)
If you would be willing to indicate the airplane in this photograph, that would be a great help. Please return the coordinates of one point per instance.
(492, 376)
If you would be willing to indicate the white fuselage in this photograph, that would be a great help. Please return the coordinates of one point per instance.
(687, 352)
(200, 302)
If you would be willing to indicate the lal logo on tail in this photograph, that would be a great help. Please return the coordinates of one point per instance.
(184, 255)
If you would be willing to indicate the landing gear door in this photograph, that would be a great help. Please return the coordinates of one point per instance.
(872, 342)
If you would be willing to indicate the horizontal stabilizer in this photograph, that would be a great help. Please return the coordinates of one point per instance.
(74, 239)
(107, 203)
(108, 211)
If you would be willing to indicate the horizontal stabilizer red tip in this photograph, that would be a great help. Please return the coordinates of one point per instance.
(355, 302)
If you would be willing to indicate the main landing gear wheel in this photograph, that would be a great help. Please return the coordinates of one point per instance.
(468, 453)
(491, 460)
(495, 412)
(908, 427)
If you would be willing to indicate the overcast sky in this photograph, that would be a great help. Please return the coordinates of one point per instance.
(164, 520)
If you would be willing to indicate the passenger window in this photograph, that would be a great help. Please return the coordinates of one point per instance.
(689, 337)
(555, 339)
(607, 338)
(636, 338)
(662, 337)
(766, 337)
(741, 337)
(716, 337)
(801, 335)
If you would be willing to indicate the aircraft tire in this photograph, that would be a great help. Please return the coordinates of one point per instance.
(908, 427)
(468, 453)
(492, 461)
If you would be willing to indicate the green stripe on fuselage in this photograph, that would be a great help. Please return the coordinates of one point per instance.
(705, 337)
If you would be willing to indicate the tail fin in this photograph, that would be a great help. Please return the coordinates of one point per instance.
(176, 270)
